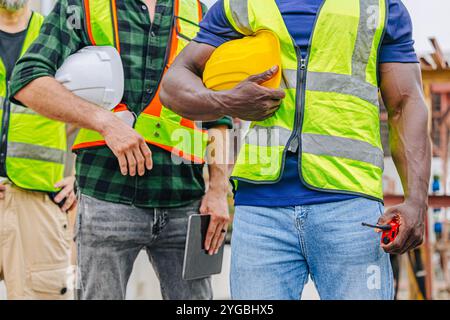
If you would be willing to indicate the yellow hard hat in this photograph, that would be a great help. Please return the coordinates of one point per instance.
(236, 60)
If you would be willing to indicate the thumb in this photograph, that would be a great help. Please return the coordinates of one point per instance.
(389, 215)
(60, 184)
(265, 76)
(203, 209)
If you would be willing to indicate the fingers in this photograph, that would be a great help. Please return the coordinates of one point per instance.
(410, 233)
(393, 247)
(147, 154)
(265, 76)
(140, 161)
(266, 112)
(203, 208)
(64, 193)
(216, 232)
(131, 161)
(276, 94)
(2, 191)
(389, 215)
(123, 165)
(70, 202)
(135, 159)
(210, 234)
(406, 240)
(417, 243)
(218, 238)
(399, 244)
(415, 240)
(61, 184)
(218, 241)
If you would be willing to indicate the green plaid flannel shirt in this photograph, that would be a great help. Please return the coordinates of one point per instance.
(143, 48)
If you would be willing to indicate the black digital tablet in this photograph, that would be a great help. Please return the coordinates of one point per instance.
(197, 262)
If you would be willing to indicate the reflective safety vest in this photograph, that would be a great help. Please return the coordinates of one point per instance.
(331, 110)
(32, 147)
(157, 124)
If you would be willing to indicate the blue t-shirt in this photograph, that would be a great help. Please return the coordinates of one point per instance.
(299, 17)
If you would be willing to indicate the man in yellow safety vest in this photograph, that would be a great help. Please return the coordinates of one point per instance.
(310, 169)
(35, 232)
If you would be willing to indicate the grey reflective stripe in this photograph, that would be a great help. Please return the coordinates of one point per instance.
(289, 80)
(342, 83)
(322, 145)
(368, 23)
(239, 12)
(1, 103)
(268, 136)
(21, 110)
(35, 152)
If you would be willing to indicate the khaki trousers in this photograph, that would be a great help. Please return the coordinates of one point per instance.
(35, 243)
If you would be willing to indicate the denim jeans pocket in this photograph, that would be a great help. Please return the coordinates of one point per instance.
(381, 208)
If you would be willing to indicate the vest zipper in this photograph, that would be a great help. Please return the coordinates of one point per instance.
(294, 141)
(4, 136)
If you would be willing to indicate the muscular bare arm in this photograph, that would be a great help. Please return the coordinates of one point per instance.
(48, 97)
(401, 88)
(184, 92)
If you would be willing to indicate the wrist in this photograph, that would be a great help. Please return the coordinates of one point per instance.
(218, 188)
(220, 101)
(104, 121)
(417, 201)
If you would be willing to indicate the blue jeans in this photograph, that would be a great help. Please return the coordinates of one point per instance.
(274, 250)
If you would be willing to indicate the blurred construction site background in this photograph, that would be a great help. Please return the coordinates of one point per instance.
(423, 274)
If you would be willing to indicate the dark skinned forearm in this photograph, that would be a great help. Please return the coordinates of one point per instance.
(401, 88)
(409, 134)
(182, 89)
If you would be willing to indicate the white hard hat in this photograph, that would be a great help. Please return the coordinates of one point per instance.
(94, 74)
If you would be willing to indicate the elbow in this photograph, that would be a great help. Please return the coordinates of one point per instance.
(164, 94)
(170, 99)
(26, 94)
(21, 96)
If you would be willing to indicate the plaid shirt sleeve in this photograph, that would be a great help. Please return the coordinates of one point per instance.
(61, 35)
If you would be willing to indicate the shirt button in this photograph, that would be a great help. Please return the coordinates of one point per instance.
(152, 34)
(149, 91)
(144, 7)
(63, 291)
